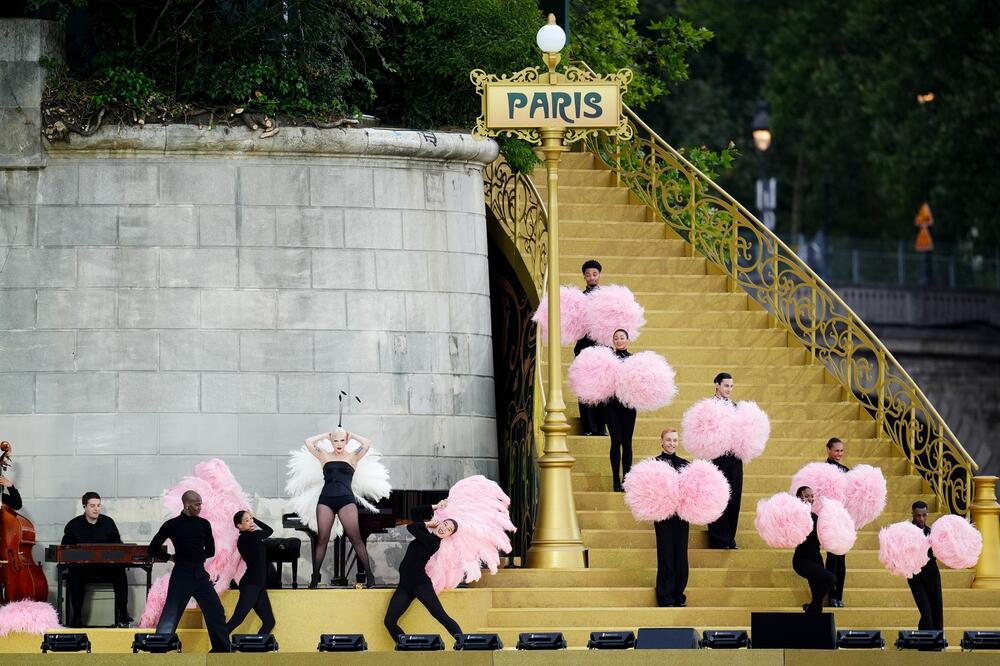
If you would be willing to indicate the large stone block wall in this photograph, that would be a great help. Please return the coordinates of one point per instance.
(172, 294)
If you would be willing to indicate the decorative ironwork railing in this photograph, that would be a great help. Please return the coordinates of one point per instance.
(759, 263)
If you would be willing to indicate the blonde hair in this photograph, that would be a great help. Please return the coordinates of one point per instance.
(667, 430)
(338, 432)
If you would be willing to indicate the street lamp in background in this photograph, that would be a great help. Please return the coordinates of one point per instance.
(767, 187)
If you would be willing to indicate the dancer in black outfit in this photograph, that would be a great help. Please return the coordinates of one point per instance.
(92, 526)
(836, 564)
(591, 416)
(722, 533)
(808, 563)
(671, 538)
(414, 583)
(253, 585)
(925, 585)
(337, 500)
(621, 422)
(193, 544)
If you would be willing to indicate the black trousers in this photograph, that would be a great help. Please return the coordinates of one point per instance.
(926, 589)
(820, 580)
(722, 533)
(671, 561)
(76, 583)
(424, 593)
(621, 425)
(252, 597)
(837, 565)
(591, 416)
(191, 580)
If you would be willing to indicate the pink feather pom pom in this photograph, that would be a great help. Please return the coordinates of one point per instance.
(783, 521)
(572, 315)
(593, 375)
(956, 542)
(751, 429)
(835, 527)
(610, 308)
(652, 490)
(27, 617)
(155, 601)
(646, 382)
(865, 494)
(826, 481)
(704, 493)
(902, 548)
(706, 428)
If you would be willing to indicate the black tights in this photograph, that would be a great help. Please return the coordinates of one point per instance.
(621, 425)
(252, 597)
(424, 593)
(348, 515)
(820, 580)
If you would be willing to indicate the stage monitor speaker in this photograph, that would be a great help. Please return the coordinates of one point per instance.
(478, 642)
(342, 643)
(981, 640)
(725, 639)
(419, 642)
(662, 638)
(796, 631)
(925, 640)
(65, 643)
(552, 640)
(254, 643)
(861, 639)
(611, 640)
(156, 643)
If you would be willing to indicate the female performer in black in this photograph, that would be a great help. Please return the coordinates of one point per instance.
(621, 421)
(671, 538)
(336, 500)
(253, 585)
(414, 583)
(808, 563)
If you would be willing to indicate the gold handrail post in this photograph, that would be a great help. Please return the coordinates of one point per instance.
(986, 516)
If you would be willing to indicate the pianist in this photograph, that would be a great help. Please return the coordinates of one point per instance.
(94, 527)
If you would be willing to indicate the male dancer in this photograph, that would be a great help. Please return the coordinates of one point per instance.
(414, 583)
(836, 564)
(591, 416)
(193, 544)
(925, 585)
(92, 526)
(807, 562)
(671, 538)
(722, 533)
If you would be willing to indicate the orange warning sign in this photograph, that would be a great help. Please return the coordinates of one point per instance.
(924, 220)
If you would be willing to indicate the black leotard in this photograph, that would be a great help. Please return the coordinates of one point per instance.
(337, 492)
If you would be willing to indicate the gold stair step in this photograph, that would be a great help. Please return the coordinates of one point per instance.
(690, 373)
(769, 356)
(721, 337)
(706, 557)
(623, 520)
(832, 412)
(569, 160)
(605, 500)
(580, 178)
(807, 431)
(635, 247)
(698, 537)
(650, 445)
(586, 220)
(614, 266)
(570, 194)
(671, 284)
(910, 486)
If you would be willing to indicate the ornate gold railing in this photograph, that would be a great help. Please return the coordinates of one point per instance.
(758, 262)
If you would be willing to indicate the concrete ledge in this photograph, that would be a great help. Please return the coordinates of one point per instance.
(290, 141)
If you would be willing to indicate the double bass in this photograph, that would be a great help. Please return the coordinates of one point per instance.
(20, 576)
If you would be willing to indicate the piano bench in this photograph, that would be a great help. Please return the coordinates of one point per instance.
(282, 550)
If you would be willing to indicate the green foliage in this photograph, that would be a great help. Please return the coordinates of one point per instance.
(130, 87)
(519, 155)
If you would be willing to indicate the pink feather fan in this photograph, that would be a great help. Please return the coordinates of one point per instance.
(480, 508)
(834, 527)
(902, 548)
(610, 308)
(783, 520)
(826, 481)
(222, 496)
(652, 490)
(704, 493)
(864, 494)
(646, 382)
(27, 617)
(706, 428)
(751, 430)
(956, 542)
(572, 315)
(593, 375)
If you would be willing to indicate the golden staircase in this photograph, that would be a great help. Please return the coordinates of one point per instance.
(702, 326)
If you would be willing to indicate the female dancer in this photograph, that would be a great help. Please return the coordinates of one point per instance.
(808, 563)
(337, 500)
(621, 421)
(414, 583)
(253, 585)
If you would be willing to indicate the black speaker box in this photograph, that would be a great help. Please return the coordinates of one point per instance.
(682, 638)
(796, 631)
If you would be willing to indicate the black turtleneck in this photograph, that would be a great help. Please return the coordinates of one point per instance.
(622, 353)
(673, 460)
(809, 549)
(842, 468)
(930, 553)
(425, 543)
(191, 536)
(254, 553)
(591, 287)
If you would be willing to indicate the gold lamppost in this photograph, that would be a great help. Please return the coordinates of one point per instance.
(986, 516)
(553, 109)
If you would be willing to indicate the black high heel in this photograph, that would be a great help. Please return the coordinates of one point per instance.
(314, 581)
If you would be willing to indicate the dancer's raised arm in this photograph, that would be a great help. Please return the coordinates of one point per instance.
(365, 443)
(311, 443)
